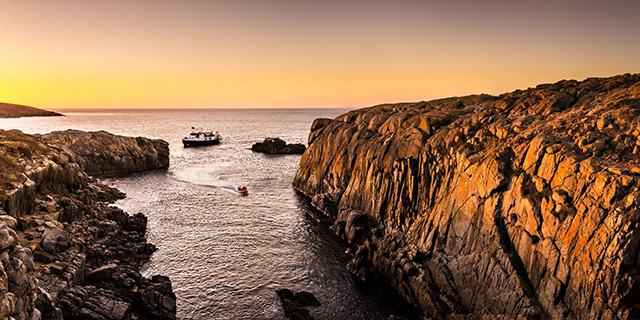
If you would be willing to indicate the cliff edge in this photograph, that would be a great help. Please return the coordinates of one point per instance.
(519, 205)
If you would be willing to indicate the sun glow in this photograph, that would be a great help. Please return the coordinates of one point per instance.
(74, 54)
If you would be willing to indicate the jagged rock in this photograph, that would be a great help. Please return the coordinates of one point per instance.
(101, 152)
(101, 273)
(157, 297)
(516, 206)
(24, 254)
(55, 240)
(295, 304)
(7, 237)
(10, 221)
(43, 257)
(65, 218)
(104, 307)
(278, 146)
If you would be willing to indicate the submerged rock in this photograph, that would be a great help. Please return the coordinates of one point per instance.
(522, 205)
(278, 146)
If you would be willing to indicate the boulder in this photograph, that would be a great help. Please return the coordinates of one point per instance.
(54, 240)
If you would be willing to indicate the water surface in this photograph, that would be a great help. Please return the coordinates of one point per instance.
(225, 253)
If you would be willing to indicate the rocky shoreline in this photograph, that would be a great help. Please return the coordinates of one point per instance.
(65, 252)
(518, 205)
(9, 110)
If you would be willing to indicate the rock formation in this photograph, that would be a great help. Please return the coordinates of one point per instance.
(519, 205)
(65, 251)
(101, 152)
(278, 146)
(295, 304)
(8, 110)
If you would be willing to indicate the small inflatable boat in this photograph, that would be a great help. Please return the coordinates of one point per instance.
(242, 190)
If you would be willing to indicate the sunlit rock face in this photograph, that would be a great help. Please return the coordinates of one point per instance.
(524, 204)
(101, 152)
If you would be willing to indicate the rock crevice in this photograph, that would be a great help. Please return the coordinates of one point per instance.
(65, 252)
(518, 205)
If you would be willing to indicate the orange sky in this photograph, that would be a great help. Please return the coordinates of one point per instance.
(157, 54)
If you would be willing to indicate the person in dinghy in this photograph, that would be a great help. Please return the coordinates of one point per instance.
(242, 190)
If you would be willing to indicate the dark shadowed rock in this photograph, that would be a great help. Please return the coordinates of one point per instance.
(295, 304)
(101, 273)
(306, 299)
(278, 146)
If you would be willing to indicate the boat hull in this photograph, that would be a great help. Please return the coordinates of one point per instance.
(199, 143)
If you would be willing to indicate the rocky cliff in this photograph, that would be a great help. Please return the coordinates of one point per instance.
(101, 152)
(8, 110)
(65, 252)
(519, 205)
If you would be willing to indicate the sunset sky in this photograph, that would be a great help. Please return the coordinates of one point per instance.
(162, 54)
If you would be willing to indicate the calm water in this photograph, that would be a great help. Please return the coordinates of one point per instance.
(226, 254)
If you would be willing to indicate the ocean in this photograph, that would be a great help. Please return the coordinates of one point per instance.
(227, 254)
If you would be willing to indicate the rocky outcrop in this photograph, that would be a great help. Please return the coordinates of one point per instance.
(101, 152)
(8, 110)
(295, 304)
(520, 205)
(278, 146)
(69, 254)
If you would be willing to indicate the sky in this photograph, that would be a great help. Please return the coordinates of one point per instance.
(269, 53)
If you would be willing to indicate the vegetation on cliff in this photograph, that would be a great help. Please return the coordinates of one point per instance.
(524, 204)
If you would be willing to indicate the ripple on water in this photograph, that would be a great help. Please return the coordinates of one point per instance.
(226, 254)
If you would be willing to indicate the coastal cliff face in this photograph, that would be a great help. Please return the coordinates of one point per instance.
(520, 205)
(65, 252)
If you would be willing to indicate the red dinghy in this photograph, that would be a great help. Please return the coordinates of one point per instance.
(242, 190)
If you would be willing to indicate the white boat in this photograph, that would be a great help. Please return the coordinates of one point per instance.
(201, 138)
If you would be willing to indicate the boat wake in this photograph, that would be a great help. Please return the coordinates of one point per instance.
(203, 176)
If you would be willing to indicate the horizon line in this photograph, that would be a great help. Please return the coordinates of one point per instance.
(199, 108)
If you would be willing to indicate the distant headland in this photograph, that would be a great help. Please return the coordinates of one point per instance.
(9, 110)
